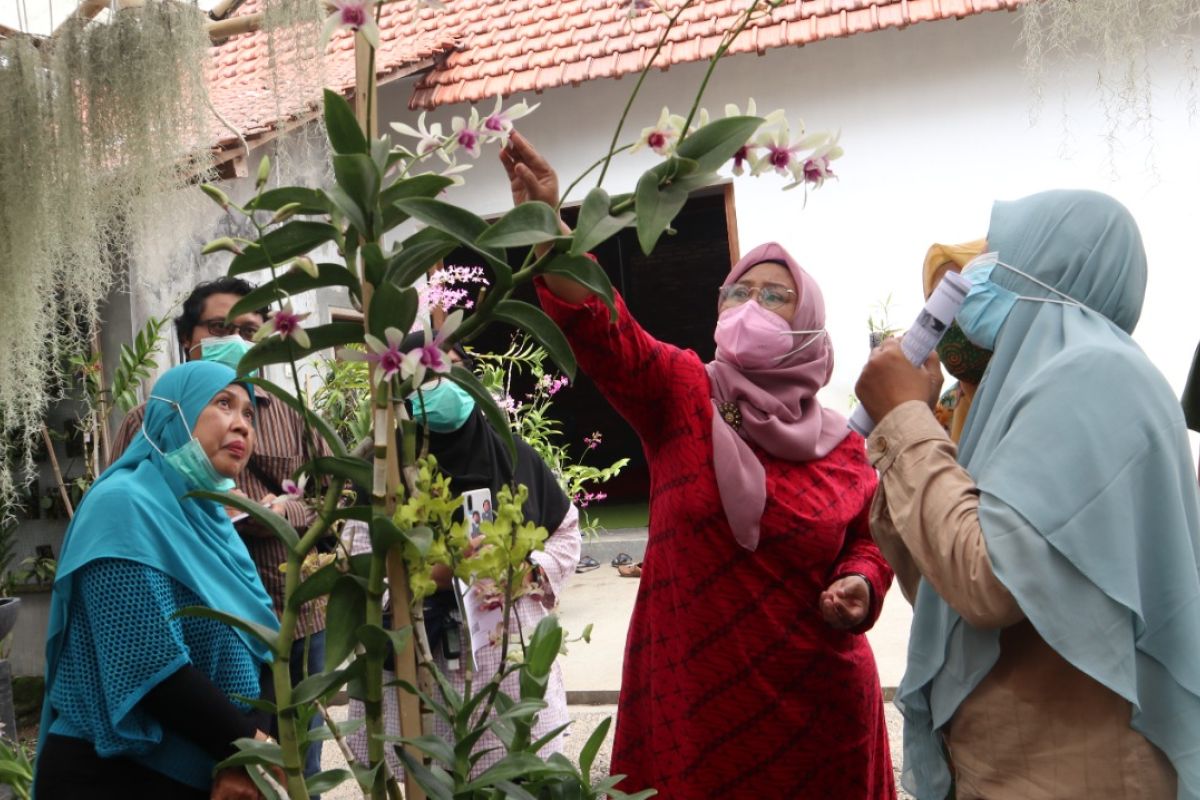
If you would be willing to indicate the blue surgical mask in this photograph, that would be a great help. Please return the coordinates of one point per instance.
(227, 350)
(988, 304)
(190, 461)
(444, 407)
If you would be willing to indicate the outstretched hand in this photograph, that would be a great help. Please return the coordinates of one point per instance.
(844, 605)
(530, 176)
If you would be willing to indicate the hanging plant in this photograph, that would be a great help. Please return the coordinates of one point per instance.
(1118, 37)
(101, 123)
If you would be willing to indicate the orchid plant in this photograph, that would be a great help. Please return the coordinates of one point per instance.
(380, 185)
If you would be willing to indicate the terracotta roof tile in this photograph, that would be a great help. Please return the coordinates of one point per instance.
(490, 47)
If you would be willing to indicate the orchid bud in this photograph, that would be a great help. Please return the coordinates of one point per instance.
(305, 264)
(224, 243)
(218, 197)
(284, 212)
(264, 172)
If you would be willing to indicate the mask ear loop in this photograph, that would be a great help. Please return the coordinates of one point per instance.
(179, 410)
(817, 334)
(1067, 301)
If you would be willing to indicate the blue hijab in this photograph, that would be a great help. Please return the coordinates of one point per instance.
(136, 510)
(1088, 499)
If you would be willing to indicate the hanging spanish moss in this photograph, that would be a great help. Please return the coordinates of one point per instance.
(1120, 38)
(296, 56)
(96, 134)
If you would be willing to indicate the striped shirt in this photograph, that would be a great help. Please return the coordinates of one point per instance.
(278, 453)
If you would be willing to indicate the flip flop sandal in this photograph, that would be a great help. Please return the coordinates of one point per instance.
(587, 564)
(630, 570)
(622, 559)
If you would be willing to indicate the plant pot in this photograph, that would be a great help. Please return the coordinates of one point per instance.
(9, 606)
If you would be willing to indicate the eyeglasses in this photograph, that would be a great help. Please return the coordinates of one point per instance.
(219, 327)
(770, 295)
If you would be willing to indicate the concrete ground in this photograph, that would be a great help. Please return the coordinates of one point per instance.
(592, 672)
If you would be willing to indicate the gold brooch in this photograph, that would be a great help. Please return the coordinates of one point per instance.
(731, 414)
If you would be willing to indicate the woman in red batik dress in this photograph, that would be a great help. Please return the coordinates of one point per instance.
(747, 674)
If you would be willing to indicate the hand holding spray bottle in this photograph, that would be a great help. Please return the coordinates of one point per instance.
(924, 335)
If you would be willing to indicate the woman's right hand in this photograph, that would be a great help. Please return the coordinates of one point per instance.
(530, 176)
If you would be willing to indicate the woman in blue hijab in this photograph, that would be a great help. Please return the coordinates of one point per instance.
(1053, 559)
(140, 702)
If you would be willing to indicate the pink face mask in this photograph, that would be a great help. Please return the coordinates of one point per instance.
(750, 337)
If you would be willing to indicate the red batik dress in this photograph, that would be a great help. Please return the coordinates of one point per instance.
(733, 685)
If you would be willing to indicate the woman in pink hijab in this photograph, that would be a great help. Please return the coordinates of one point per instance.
(746, 672)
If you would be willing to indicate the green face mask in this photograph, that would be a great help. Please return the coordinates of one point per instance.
(227, 350)
(963, 359)
(444, 408)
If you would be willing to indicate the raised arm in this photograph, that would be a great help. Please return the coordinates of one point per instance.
(652, 384)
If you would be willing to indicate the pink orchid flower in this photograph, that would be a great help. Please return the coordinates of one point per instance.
(357, 15)
(662, 136)
(386, 356)
(466, 134)
(295, 489)
(430, 357)
(286, 323)
(499, 124)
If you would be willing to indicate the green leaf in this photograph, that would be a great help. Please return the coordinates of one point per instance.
(434, 746)
(588, 273)
(591, 747)
(427, 185)
(527, 224)
(461, 224)
(312, 201)
(345, 135)
(295, 238)
(534, 321)
(385, 637)
(544, 646)
(348, 468)
(433, 786)
(273, 522)
(346, 611)
(276, 350)
(264, 634)
(258, 704)
(512, 790)
(252, 751)
(359, 177)
(483, 398)
(656, 207)
(345, 204)
(392, 307)
(595, 224)
(324, 733)
(718, 141)
(322, 427)
(513, 765)
(418, 254)
(320, 685)
(329, 779)
(374, 263)
(318, 584)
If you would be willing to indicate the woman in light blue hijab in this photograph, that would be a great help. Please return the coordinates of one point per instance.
(141, 702)
(1055, 647)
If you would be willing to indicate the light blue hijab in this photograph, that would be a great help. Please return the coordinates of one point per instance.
(136, 510)
(1088, 498)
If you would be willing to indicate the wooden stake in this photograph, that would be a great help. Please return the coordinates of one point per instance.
(62, 488)
(223, 29)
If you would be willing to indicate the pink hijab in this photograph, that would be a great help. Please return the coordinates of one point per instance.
(777, 406)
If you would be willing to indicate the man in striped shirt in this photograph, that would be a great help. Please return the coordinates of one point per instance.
(280, 450)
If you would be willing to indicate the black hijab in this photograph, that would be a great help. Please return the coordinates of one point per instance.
(1191, 395)
(475, 457)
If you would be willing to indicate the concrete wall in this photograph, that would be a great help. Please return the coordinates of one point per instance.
(935, 120)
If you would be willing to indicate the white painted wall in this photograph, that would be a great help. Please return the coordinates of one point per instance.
(935, 121)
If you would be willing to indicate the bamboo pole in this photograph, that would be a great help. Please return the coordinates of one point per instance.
(62, 488)
(366, 109)
(223, 29)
